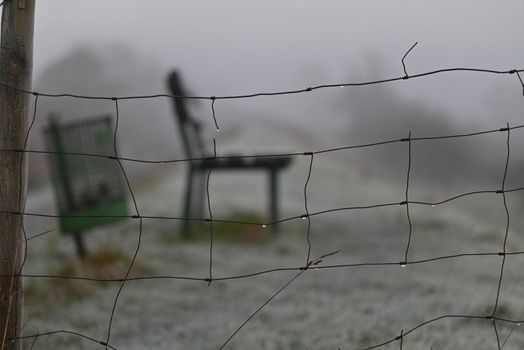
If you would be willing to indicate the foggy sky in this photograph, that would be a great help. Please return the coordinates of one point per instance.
(231, 46)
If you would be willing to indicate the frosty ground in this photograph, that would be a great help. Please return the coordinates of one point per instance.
(346, 308)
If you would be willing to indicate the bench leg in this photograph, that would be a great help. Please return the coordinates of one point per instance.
(185, 225)
(201, 195)
(273, 198)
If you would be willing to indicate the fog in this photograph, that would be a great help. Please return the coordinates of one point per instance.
(128, 47)
(232, 47)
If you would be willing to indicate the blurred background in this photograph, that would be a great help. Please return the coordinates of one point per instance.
(126, 48)
(121, 48)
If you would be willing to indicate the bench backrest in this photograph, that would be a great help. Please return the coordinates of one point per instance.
(188, 127)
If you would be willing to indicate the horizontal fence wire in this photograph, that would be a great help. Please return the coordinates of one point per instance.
(213, 99)
(309, 264)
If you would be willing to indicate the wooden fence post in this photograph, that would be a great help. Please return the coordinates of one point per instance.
(16, 61)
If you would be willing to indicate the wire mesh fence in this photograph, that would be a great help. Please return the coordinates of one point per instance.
(490, 316)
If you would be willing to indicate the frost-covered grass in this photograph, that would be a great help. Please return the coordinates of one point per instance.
(350, 307)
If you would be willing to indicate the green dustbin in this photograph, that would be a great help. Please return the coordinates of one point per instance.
(89, 190)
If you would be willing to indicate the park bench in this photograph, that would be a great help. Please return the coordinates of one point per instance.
(194, 147)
